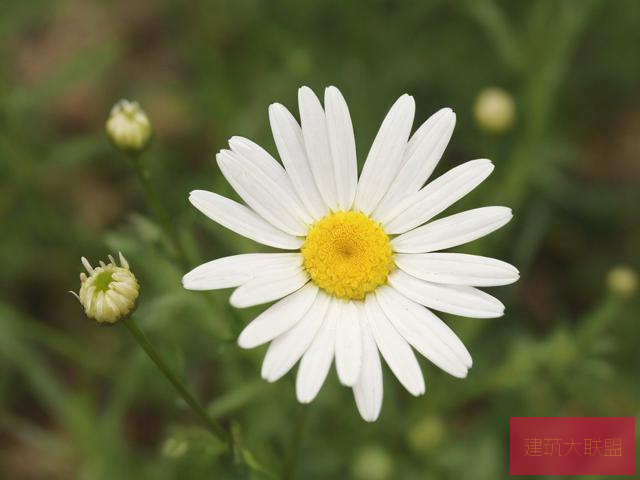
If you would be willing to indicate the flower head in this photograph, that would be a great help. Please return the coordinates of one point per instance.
(495, 110)
(347, 255)
(109, 292)
(361, 273)
(128, 126)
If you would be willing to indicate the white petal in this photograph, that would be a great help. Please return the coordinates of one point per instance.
(455, 299)
(278, 180)
(436, 197)
(453, 230)
(316, 141)
(457, 269)
(261, 159)
(421, 329)
(343, 146)
(87, 265)
(233, 271)
(368, 391)
(278, 318)
(260, 193)
(395, 350)
(421, 156)
(288, 137)
(385, 156)
(285, 350)
(316, 361)
(348, 345)
(242, 220)
(440, 329)
(268, 287)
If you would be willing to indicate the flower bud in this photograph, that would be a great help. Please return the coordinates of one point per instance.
(372, 463)
(128, 126)
(175, 447)
(495, 110)
(109, 292)
(622, 281)
(426, 434)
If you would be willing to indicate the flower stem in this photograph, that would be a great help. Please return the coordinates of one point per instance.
(198, 409)
(163, 219)
(152, 198)
(291, 463)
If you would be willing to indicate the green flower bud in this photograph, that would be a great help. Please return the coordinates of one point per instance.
(175, 447)
(372, 463)
(426, 434)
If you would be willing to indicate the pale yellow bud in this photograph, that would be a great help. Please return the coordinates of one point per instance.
(426, 434)
(622, 280)
(372, 463)
(174, 447)
(495, 110)
(128, 126)
(109, 292)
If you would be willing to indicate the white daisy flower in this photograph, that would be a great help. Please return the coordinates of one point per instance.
(361, 274)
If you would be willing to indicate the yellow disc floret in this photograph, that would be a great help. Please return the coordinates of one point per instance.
(347, 254)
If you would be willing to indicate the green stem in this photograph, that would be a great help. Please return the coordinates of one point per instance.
(543, 81)
(152, 198)
(595, 324)
(161, 216)
(507, 44)
(198, 409)
(291, 465)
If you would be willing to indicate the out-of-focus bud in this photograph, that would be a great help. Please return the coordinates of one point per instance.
(109, 292)
(495, 110)
(622, 281)
(426, 434)
(372, 463)
(175, 447)
(128, 127)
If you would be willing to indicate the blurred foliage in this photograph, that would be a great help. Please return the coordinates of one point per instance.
(80, 401)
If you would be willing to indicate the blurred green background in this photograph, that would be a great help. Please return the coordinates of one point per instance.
(82, 401)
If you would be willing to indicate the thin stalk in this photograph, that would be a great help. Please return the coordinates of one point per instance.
(161, 216)
(198, 409)
(152, 198)
(291, 465)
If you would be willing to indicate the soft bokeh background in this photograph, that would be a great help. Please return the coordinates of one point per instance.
(82, 401)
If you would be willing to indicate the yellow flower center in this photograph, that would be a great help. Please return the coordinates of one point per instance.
(347, 254)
